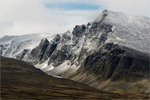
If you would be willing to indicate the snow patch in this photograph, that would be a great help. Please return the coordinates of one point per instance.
(64, 67)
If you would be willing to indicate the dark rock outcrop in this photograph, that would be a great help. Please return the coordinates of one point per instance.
(2, 49)
(43, 51)
(39, 51)
(51, 47)
(63, 53)
(79, 30)
(118, 63)
(60, 56)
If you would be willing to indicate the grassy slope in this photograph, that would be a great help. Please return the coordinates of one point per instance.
(20, 80)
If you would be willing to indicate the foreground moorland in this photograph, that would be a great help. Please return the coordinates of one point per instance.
(20, 80)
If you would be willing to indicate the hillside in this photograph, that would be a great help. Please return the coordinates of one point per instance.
(20, 80)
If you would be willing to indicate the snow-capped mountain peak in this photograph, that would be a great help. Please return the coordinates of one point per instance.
(12, 45)
(130, 31)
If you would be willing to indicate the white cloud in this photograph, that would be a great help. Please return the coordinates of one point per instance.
(31, 16)
(134, 7)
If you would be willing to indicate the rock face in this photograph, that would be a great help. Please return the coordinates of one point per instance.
(118, 63)
(3, 49)
(51, 47)
(43, 51)
(38, 52)
(114, 47)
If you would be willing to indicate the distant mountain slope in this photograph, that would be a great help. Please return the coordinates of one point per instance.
(10, 46)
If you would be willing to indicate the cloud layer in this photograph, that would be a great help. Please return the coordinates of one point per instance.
(134, 7)
(57, 16)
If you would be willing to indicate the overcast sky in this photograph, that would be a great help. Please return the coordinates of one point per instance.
(57, 16)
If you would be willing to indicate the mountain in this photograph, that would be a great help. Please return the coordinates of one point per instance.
(10, 46)
(111, 53)
(20, 80)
